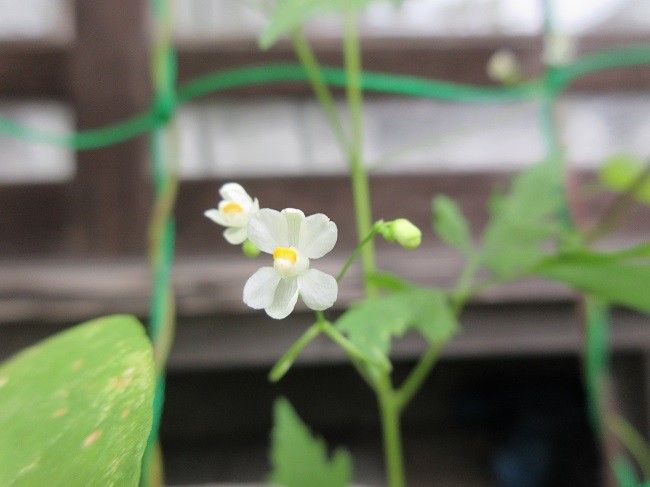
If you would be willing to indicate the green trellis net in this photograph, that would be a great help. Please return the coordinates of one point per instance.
(545, 89)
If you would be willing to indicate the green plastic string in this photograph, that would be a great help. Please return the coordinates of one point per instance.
(371, 81)
(162, 236)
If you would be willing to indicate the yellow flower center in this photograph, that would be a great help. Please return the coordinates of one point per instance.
(232, 207)
(285, 253)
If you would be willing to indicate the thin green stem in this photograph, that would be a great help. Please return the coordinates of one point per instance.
(390, 421)
(418, 375)
(633, 442)
(322, 91)
(463, 290)
(357, 251)
(358, 173)
(286, 361)
(350, 348)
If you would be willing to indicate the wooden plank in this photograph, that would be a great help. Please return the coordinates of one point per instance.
(39, 68)
(110, 70)
(34, 218)
(34, 69)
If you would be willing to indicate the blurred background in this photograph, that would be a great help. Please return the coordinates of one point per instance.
(506, 405)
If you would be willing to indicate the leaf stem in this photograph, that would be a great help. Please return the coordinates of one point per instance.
(357, 251)
(418, 375)
(350, 348)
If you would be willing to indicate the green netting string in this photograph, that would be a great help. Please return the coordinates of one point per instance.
(371, 81)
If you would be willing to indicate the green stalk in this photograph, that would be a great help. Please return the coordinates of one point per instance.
(358, 173)
(321, 90)
(390, 422)
(418, 375)
(286, 361)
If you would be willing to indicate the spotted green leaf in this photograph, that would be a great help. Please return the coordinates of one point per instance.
(450, 224)
(620, 172)
(76, 408)
(523, 221)
(371, 323)
(300, 459)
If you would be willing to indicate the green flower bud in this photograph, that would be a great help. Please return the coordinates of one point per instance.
(403, 232)
(249, 249)
(503, 67)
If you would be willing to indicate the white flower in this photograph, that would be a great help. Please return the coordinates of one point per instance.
(233, 212)
(293, 240)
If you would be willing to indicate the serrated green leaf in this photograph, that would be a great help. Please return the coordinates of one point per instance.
(289, 15)
(620, 172)
(615, 281)
(76, 409)
(450, 224)
(523, 221)
(299, 459)
(371, 323)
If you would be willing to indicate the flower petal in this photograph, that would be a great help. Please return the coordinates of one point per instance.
(284, 300)
(260, 288)
(317, 289)
(317, 236)
(235, 235)
(267, 229)
(215, 215)
(235, 192)
(294, 222)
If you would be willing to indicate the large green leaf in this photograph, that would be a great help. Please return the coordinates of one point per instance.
(614, 280)
(619, 173)
(76, 409)
(372, 323)
(299, 459)
(450, 224)
(523, 221)
(288, 15)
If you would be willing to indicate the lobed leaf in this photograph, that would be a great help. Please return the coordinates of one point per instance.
(299, 459)
(76, 409)
(372, 323)
(611, 277)
(450, 224)
(524, 221)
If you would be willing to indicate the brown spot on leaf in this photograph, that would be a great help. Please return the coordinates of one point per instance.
(77, 364)
(92, 438)
(125, 414)
(60, 412)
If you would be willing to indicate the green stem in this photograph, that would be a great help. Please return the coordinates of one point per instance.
(390, 421)
(350, 348)
(464, 289)
(323, 94)
(633, 441)
(355, 253)
(418, 375)
(286, 361)
(358, 173)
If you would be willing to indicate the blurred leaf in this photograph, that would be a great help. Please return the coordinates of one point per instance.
(388, 281)
(371, 323)
(291, 14)
(620, 172)
(299, 459)
(450, 224)
(523, 221)
(76, 409)
(613, 280)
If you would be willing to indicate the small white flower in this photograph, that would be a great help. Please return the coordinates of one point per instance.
(233, 212)
(292, 239)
